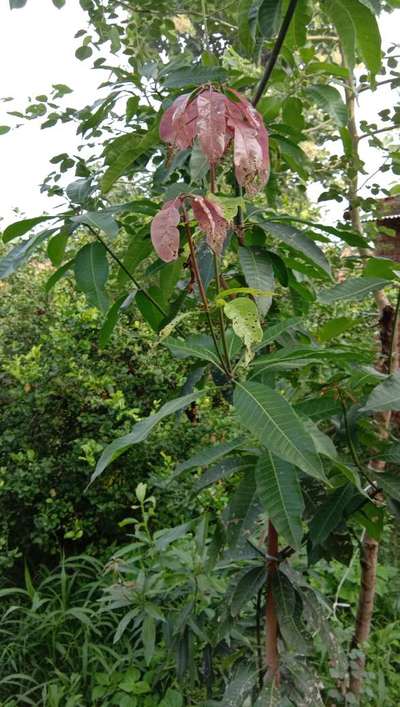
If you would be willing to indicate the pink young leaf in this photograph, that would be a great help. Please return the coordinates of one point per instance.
(211, 124)
(164, 231)
(248, 111)
(178, 124)
(211, 221)
(250, 156)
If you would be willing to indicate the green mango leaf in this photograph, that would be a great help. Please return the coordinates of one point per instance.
(267, 415)
(110, 321)
(79, 191)
(330, 101)
(297, 34)
(56, 247)
(19, 228)
(390, 483)
(273, 332)
(15, 4)
(250, 582)
(129, 151)
(357, 27)
(194, 76)
(140, 432)
(258, 272)
(91, 273)
(245, 323)
(246, 27)
(198, 346)
(269, 14)
(198, 164)
(209, 455)
(386, 395)
(148, 637)
(58, 274)
(334, 327)
(218, 472)
(280, 492)
(355, 288)
(331, 513)
(296, 240)
(103, 220)
(21, 253)
(288, 609)
(304, 355)
(150, 313)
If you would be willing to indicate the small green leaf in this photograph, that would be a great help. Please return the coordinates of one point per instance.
(4, 129)
(19, 228)
(194, 76)
(98, 219)
(244, 316)
(56, 247)
(58, 274)
(91, 272)
(258, 272)
(21, 253)
(330, 101)
(110, 322)
(83, 52)
(385, 396)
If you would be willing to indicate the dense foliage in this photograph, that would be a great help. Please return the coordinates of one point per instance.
(200, 153)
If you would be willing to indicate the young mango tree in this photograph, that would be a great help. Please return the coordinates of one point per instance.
(217, 140)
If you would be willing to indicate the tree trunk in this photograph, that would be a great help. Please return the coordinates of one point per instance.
(369, 561)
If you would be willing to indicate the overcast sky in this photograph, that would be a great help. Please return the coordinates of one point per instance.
(39, 51)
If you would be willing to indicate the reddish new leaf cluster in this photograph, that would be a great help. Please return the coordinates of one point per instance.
(217, 121)
(210, 219)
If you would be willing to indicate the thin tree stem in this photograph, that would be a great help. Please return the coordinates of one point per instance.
(202, 291)
(126, 271)
(275, 52)
(393, 358)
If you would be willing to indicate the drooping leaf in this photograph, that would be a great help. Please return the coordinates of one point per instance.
(269, 12)
(222, 470)
(211, 221)
(110, 321)
(104, 220)
(330, 514)
(330, 101)
(288, 608)
(164, 231)
(19, 228)
(211, 127)
(209, 455)
(198, 346)
(390, 483)
(267, 415)
(273, 332)
(140, 431)
(21, 253)
(280, 493)
(56, 247)
(244, 316)
(91, 273)
(295, 239)
(58, 274)
(355, 288)
(247, 587)
(386, 395)
(357, 27)
(334, 327)
(258, 272)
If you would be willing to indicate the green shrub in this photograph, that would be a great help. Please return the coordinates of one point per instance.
(63, 399)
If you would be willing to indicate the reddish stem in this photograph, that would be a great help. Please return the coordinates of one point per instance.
(271, 619)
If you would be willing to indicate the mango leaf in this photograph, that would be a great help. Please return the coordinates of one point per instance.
(110, 321)
(58, 274)
(330, 101)
(140, 432)
(209, 455)
(357, 27)
(19, 228)
(91, 272)
(280, 492)
(198, 346)
(334, 327)
(297, 34)
(273, 421)
(288, 609)
(221, 471)
(390, 483)
(296, 240)
(247, 587)
(245, 323)
(269, 12)
(355, 288)
(56, 247)
(385, 396)
(79, 191)
(302, 355)
(273, 332)
(246, 25)
(21, 253)
(98, 219)
(133, 148)
(194, 76)
(331, 513)
(258, 272)
(148, 637)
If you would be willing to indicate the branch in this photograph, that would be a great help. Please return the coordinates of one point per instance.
(376, 132)
(275, 51)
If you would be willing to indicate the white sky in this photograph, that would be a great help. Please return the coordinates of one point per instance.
(37, 46)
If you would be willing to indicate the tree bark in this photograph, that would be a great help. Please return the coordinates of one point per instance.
(271, 619)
